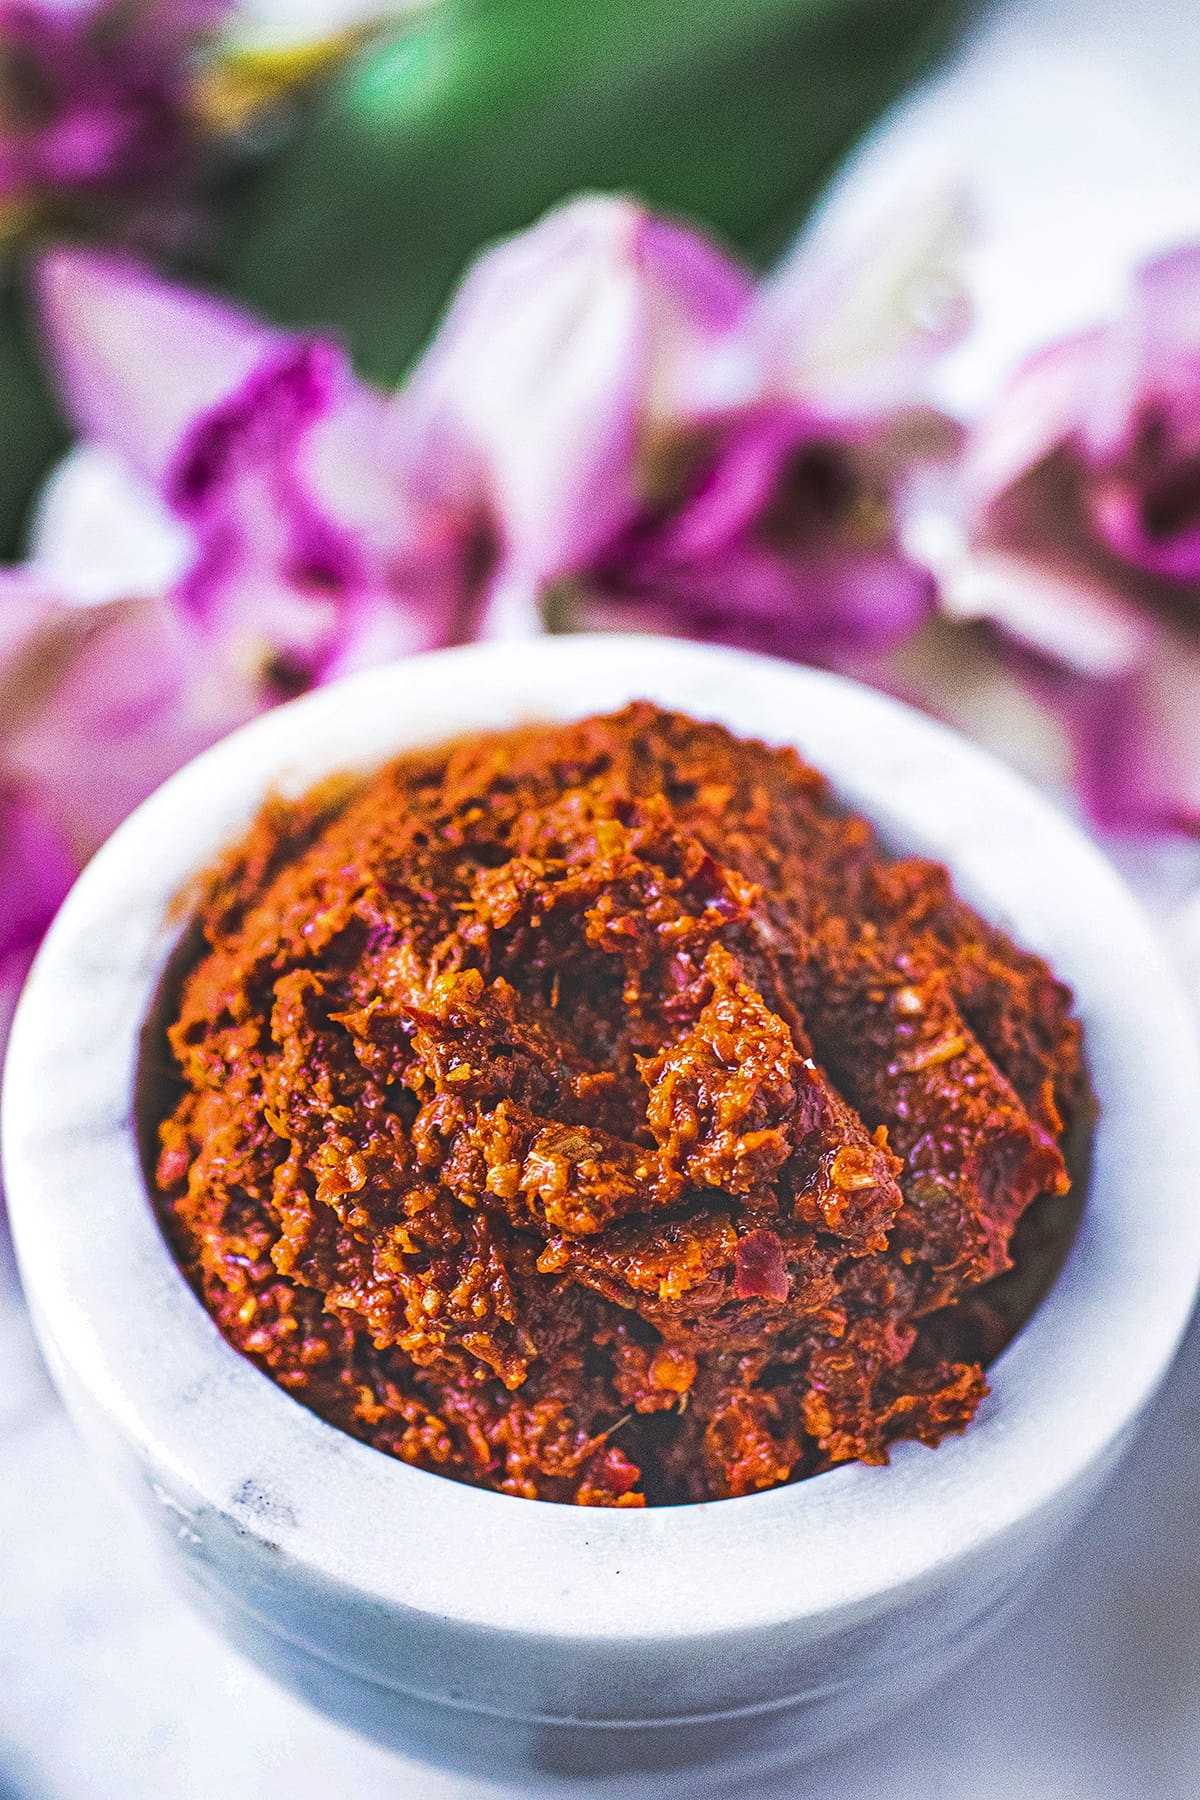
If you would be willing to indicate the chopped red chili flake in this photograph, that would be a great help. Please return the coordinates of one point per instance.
(759, 1268)
(597, 1113)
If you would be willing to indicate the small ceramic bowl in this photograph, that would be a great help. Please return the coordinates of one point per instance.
(534, 1641)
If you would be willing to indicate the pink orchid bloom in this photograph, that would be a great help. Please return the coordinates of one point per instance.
(308, 539)
(95, 94)
(101, 703)
(36, 869)
(1082, 506)
(658, 441)
(97, 706)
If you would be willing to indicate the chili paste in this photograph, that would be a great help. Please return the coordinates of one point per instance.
(597, 1113)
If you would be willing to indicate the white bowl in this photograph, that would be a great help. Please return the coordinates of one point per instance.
(533, 1641)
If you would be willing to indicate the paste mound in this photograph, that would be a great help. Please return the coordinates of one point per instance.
(597, 1113)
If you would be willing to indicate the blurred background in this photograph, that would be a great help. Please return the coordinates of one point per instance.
(333, 167)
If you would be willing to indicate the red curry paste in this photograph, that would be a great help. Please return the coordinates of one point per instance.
(597, 1113)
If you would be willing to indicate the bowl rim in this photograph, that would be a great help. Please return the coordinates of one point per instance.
(131, 1336)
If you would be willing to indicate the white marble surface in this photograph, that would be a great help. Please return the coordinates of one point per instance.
(1077, 123)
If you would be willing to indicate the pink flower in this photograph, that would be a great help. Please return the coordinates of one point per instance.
(101, 703)
(658, 441)
(97, 706)
(308, 539)
(613, 424)
(36, 869)
(1082, 507)
(95, 95)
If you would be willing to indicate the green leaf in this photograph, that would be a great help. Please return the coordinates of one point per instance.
(472, 123)
(34, 431)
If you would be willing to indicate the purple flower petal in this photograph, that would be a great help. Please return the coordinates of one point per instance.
(1137, 742)
(1151, 350)
(99, 704)
(1057, 612)
(315, 544)
(36, 870)
(567, 348)
(858, 312)
(826, 609)
(739, 479)
(1120, 408)
(1036, 414)
(138, 695)
(316, 554)
(782, 539)
(1082, 486)
(140, 360)
(36, 863)
(656, 443)
(94, 96)
(99, 532)
(1140, 430)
